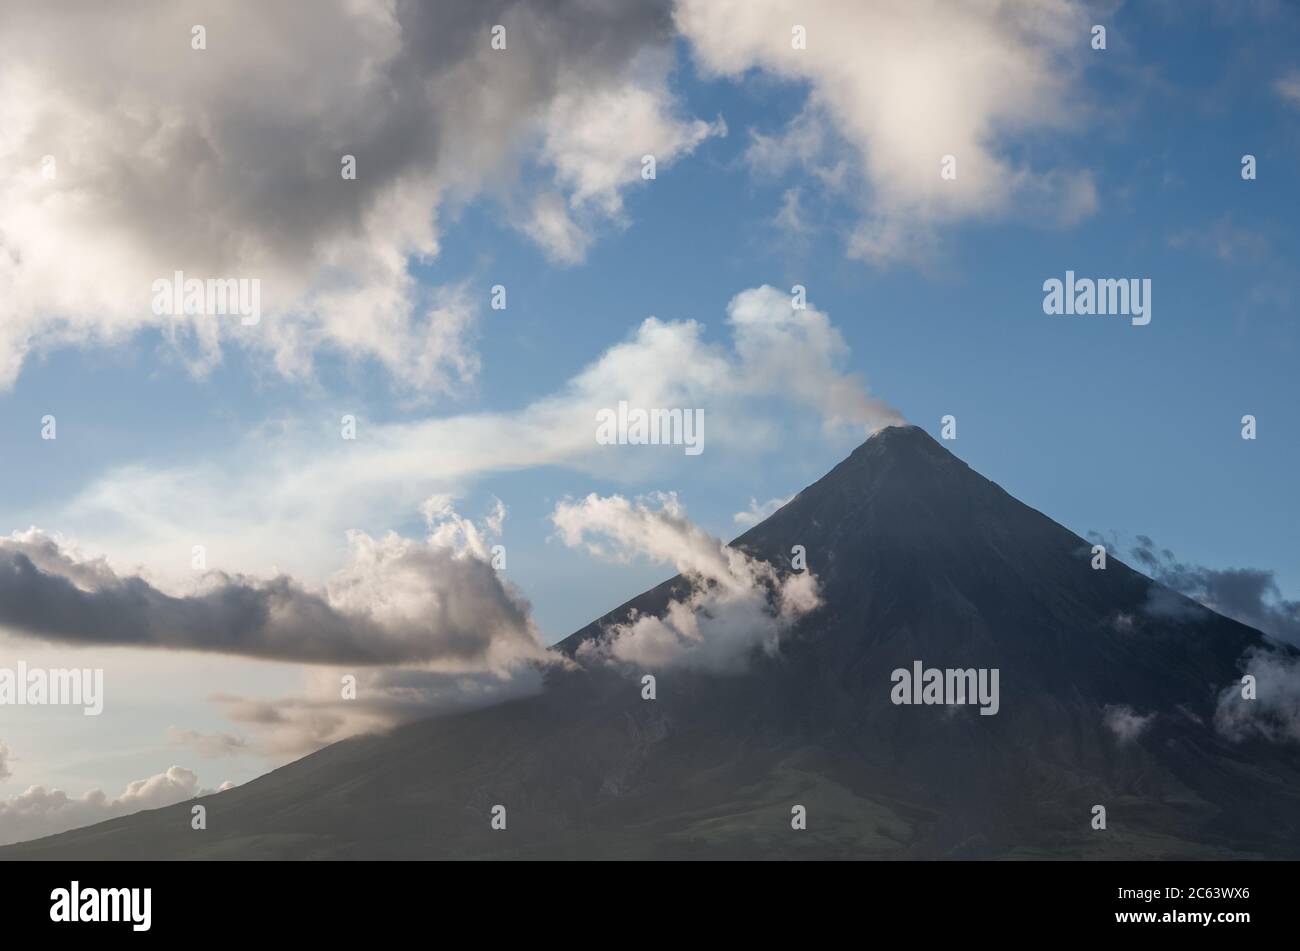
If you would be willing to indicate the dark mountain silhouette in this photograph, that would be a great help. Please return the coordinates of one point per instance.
(919, 558)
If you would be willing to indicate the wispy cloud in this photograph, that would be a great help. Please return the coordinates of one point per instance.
(756, 512)
(286, 727)
(287, 499)
(1125, 722)
(737, 604)
(208, 745)
(1224, 239)
(1249, 595)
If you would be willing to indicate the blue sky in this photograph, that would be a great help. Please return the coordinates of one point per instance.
(1102, 425)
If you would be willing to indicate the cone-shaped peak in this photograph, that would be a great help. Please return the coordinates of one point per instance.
(901, 438)
(899, 432)
(905, 459)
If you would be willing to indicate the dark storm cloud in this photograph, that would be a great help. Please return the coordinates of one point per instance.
(396, 602)
(1249, 595)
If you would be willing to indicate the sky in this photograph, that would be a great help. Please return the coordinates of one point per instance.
(129, 154)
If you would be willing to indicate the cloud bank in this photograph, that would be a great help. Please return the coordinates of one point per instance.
(437, 602)
(40, 811)
(227, 161)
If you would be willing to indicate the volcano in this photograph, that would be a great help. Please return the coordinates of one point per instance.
(1108, 686)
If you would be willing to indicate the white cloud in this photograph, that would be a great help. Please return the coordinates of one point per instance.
(40, 811)
(756, 513)
(5, 771)
(1126, 723)
(595, 139)
(790, 219)
(903, 85)
(225, 162)
(1274, 714)
(737, 604)
(549, 224)
(286, 499)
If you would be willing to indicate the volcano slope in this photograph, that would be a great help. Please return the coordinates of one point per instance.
(1109, 686)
